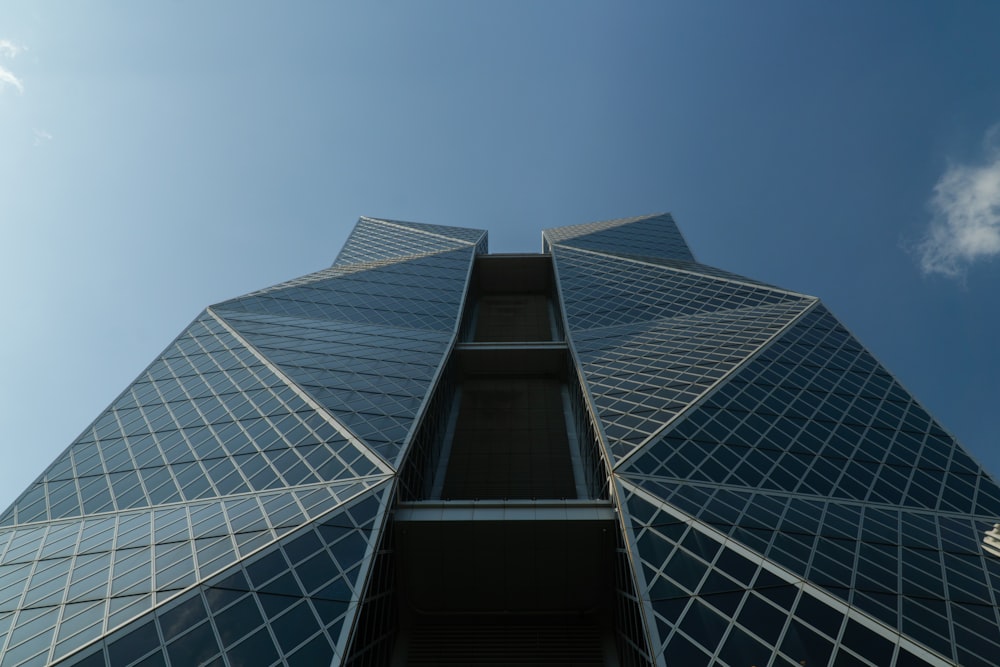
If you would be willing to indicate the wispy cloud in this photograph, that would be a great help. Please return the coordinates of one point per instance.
(966, 207)
(41, 136)
(9, 48)
(7, 78)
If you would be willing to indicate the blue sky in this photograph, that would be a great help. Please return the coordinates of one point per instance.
(159, 157)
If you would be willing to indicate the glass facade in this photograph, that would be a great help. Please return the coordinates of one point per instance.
(608, 448)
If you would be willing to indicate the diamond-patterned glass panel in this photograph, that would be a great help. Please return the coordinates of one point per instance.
(364, 343)
(373, 240)
(813, 456)
(217, 450)
(286, 605)
(651, 235)
(423, 292)
(107, 569)
(693, 267)
(206, 419)
(601, 291)
(372, 379)
(710, 603)
(912, 570)
(816, 414)
(784, 500)
(643, 375)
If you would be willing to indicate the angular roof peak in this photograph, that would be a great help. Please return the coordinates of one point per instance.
(653, 235)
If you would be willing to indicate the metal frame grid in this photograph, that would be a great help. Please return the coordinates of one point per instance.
(440, 374)
(806, 419)
(830, 469)
(204, 405)
(663, 349)
(290, 603)
(221, 447)
(420, 465)
(597, 470)
(630, 625)
(710, 600)
(205, 458)
(89, 577)
(374, 239)
(650, 235)
(783, 498)
(376, 626)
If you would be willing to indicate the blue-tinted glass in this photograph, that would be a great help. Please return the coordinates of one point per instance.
(183, 616)
(655, 236)
(303, 547)
(194, 648)
(762, 619)
(805, 646)
(257, 649)
(234, 622)
(154, 660)
(704, 625)
(738, 405)
(294, 627)
(266, 568)
(316, 571)
(867, 643)
(92, 660)
(820, 615)
(315, 652)
(743, 649)
(136, 643)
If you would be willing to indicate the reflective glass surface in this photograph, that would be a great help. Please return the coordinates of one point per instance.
(105, 570)
(712, 602)
(813, 456)
(364, 340)
(263, 415)
(206, 419)
(376, 239)
(372, 379)
(784, 501)
(602, 290)
(816, 414)
(643, 375)
(651, 235)
(652, 339)
(287, 604)
(421, 292)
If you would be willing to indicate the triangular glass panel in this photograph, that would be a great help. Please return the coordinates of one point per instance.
(815, 414)
(374, 240)
(371, 378)
(707, 596)
(206, 419)
(643, 375)
(602, 290)
(863, 554)
(653, 235)
(421, 292)
(298, 589)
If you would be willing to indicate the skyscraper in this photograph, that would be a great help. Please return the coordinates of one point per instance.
(604, 453)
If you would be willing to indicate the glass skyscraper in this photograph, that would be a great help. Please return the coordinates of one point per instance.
(605, 453)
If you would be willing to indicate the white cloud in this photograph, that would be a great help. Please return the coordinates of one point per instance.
(41, 136)
(966, 207)
(9, 48)
(7, 78)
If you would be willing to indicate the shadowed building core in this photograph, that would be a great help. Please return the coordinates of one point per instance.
(605, 453)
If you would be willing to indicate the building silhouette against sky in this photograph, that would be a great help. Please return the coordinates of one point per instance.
(605, 453)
